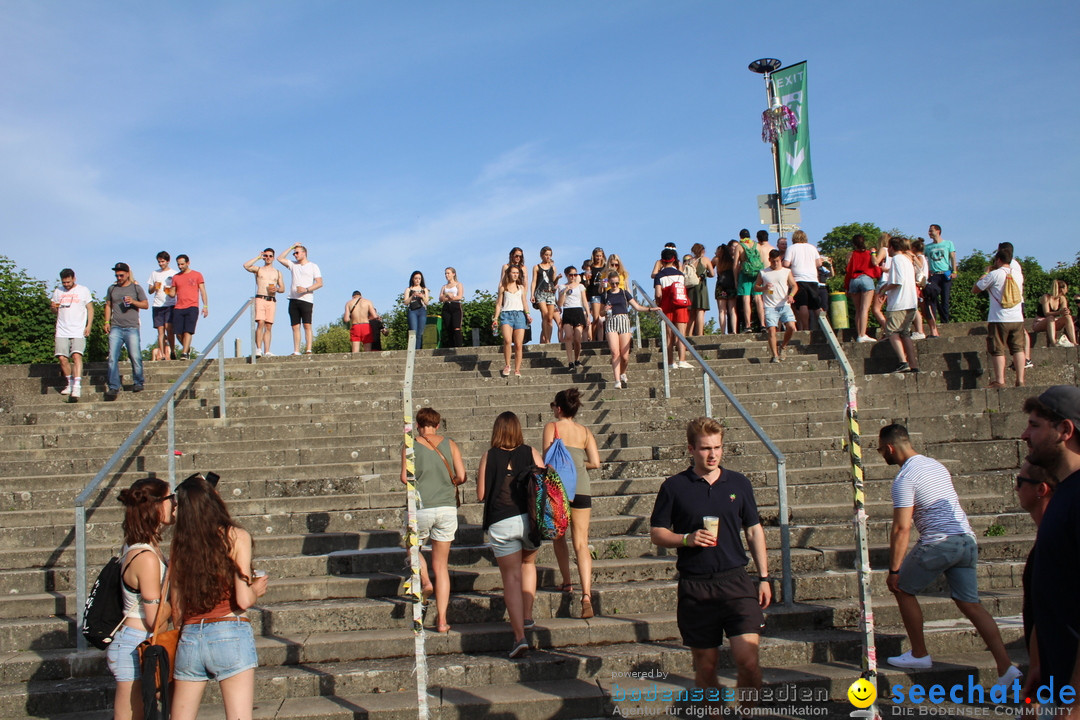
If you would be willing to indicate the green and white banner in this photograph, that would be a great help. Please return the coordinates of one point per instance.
(796, 177)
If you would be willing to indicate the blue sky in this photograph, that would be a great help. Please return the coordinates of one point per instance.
(389, 137)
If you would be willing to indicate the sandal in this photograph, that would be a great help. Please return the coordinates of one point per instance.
(567, 588)
(586, 607)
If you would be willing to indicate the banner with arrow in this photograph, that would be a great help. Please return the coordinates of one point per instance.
(796, 176)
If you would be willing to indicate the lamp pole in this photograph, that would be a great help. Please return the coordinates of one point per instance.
(766, 67)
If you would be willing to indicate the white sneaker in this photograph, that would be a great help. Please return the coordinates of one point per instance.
(618, 385)
(623, 380)
(1012, 674)
(1064, 342)
(918, 336)
(864, 339)
(297, 353)
(685, 365)
(908, 661)
(66, 390)
(258, 352)
(76, 391)
(268, 354)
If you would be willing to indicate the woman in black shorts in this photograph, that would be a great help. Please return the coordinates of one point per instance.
(595, 282)
(574, 316)
(579, 440)
(726, 299)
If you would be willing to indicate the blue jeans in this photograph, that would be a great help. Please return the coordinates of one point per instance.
(938, 296)
(417, 322)
(129, 337)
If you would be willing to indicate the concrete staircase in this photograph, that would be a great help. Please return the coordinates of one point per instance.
(308, 459)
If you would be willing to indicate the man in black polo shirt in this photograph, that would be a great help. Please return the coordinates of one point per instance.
(716, 595)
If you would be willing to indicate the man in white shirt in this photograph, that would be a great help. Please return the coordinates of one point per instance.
(74, 308)
(160, 287)
(779, 289)
(1005, 325)
(902, 301)
(306, 279)
(923, 495)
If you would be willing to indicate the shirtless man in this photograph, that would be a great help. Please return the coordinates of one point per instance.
(268, 283)
(359, 312)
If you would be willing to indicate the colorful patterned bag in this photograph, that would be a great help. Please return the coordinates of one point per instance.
(549, 508)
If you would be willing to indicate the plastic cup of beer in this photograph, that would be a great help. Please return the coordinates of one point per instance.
(712, 524)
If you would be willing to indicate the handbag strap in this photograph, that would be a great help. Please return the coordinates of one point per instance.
(438, 452)
(159, 625)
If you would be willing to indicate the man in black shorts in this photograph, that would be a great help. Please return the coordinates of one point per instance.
(716, 595)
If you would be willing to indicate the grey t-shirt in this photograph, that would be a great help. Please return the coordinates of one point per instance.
(125, 317)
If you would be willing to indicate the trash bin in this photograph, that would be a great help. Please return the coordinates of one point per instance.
(838, 314)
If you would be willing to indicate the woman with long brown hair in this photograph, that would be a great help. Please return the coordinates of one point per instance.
(148, 508)
(726, 299)
(595, 279)
(512, 317)
(212, 584)
(506, 520)
(581, 444)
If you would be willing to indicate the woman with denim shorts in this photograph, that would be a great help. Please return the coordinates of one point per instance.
(212, 585)
(512, 317)
(148, 507)
(500, 486)
(438, 470)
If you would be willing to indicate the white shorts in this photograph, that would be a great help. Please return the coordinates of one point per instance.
(438, 523)
(510, 536)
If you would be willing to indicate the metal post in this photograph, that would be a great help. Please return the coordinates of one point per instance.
(637, 329)
(80, 574)
(412, 542)
(170, 414)
(664, 350)
(707, 392)
(221, 376)
(770, 94)
(785, 531)
(254, 347)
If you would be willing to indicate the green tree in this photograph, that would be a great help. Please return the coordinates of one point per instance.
(331, 338)
(27, 324)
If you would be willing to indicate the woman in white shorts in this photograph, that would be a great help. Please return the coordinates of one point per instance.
(500, 486)
(438, 470)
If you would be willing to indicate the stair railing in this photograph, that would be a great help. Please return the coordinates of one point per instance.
(708, 379)
(862, 538)
(168, 404)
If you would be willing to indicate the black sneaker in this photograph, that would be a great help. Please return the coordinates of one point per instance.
(903, 368)
(110, 395)
(137, 388)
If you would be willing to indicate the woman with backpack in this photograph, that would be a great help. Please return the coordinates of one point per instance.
(501, 486)
(581, 444)
(695, 273)
(148, 508)
(212, 585)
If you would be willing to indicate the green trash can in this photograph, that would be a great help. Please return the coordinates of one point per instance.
(838, 314)
(433, 332)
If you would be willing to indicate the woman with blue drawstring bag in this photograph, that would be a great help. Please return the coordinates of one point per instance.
(565, 437)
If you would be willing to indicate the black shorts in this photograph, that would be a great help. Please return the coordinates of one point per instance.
(574, 317)
(300, 312)
(808, 296)
(163, 315)
(184, 320)
(581, 502)
(709, 607)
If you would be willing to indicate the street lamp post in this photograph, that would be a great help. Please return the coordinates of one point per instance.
(766, 67)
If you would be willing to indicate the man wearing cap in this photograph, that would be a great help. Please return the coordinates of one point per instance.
(923, 495)
(359, 314)
(1054, 444)
(123, 301)
(670, 288)
(306, 279)
(74, 308)
(268, 283)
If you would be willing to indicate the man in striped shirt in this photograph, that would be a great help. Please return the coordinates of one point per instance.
(923, 494)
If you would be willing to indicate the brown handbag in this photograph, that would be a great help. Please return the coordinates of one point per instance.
(167, 639)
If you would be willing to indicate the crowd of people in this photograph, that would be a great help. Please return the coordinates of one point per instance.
(905, 283)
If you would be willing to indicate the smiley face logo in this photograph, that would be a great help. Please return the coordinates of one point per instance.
(862, 693)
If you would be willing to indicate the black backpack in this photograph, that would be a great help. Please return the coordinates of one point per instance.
(104, 611)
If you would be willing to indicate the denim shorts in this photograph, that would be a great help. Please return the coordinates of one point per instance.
(438, 523)
(510, 536)
(777, 316)
(862, 283)
(123, 654)
(514, 318)
(215, 651)
(956, 557)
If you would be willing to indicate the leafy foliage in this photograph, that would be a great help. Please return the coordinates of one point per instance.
(27, 325)
(331, 338)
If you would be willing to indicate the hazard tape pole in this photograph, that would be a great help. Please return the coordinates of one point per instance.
(412, 544)
(862, 538)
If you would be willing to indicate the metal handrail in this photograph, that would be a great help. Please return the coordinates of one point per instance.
(708, 374)
(167, 403)
(862, 536)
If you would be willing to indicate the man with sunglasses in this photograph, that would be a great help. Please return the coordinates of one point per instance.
(1034, 489)
(123, 301)
(268, 283)
(1054, 444)
(923, 495)
(306, 279)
